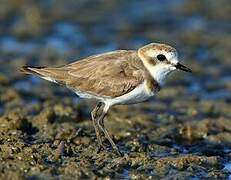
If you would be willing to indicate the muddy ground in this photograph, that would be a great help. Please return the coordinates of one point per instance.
(183, 133)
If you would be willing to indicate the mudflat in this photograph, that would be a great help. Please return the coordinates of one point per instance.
(46, 131)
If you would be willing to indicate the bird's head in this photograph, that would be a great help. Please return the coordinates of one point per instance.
(160, 60)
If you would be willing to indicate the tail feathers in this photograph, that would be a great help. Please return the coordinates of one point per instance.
(38, 71)
(49, 74)
(31, 70)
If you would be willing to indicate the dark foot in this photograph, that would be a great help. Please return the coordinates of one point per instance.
(100, 147)
(113, 145)
(103, 148)
(117, 151)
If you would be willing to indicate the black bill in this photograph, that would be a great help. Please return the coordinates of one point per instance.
(182, 67)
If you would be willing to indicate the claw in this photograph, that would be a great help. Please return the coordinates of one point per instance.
(118, 152)
(100, 148)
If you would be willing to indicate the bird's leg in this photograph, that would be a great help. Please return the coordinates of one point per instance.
(101, 125)
(94, 120)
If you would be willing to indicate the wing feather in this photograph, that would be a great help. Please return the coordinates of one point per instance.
(110, 74)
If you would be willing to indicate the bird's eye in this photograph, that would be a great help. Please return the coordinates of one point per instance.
(161, 57)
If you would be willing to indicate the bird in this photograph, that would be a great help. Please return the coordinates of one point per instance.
(114, 78)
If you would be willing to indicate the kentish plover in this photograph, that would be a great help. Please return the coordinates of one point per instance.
(117, 77)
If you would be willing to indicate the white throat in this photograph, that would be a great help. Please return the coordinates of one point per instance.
(160, 72)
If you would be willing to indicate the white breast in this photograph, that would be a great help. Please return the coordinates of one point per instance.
(139, 94)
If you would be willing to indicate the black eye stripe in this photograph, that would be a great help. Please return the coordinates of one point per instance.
(161, 57)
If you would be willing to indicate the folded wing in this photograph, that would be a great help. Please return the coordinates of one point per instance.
(110, 75)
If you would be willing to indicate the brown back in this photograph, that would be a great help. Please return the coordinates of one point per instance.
(110, 74)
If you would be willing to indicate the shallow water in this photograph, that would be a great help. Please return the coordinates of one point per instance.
(183, 133)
